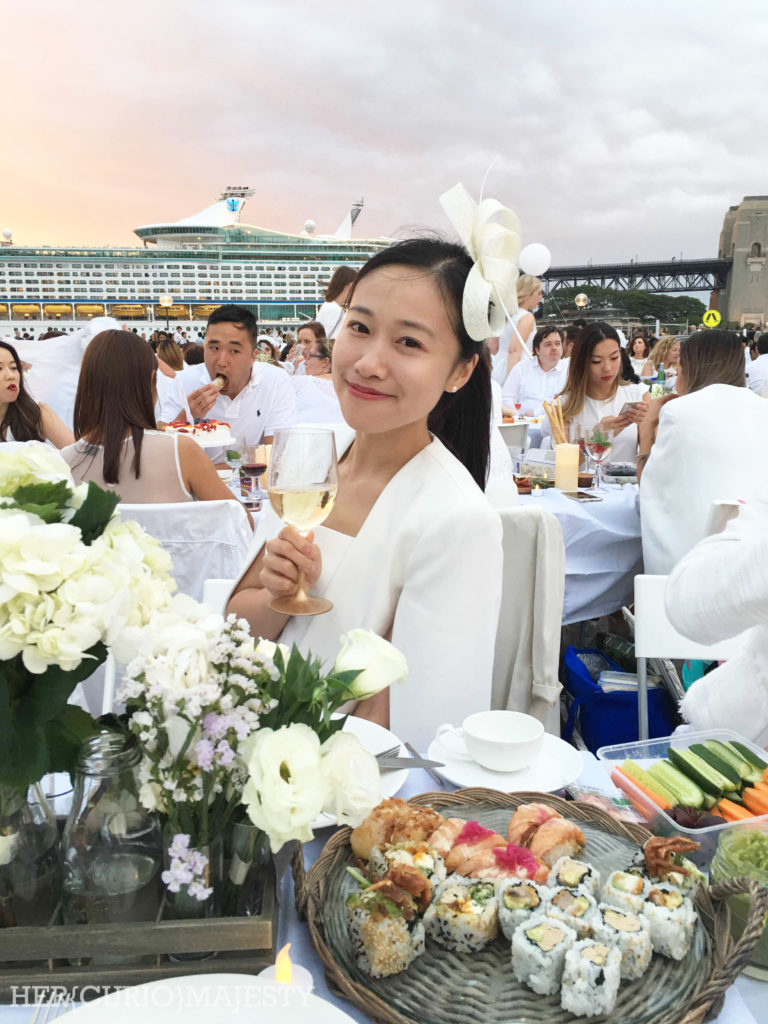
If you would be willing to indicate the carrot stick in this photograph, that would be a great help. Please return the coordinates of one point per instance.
(665, 805)
(731, 811)
(756, 802)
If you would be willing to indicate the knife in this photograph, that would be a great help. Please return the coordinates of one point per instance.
(408, 762)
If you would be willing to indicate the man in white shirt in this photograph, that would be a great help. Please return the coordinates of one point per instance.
(535, 381)
(255, 399)
(757, 369)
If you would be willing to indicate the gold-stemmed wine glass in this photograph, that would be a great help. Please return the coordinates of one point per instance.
(302, 483)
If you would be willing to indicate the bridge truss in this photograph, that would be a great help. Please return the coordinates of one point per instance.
(668, 276)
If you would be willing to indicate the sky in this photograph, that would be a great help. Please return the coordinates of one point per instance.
(620, 130)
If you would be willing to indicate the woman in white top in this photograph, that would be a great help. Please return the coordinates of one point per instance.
(412, 548)
(316, 400)
(639, 356)
(510, 351)
(117, 445)
(710, 444)
(21, 417)
(331, 313)
(719, 590)
(535, 381)
(596, 394)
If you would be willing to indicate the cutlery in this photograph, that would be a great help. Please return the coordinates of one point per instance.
(438, 778)
(408, 762)
(384, 755)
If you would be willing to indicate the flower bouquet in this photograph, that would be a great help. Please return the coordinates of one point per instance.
(72, 577)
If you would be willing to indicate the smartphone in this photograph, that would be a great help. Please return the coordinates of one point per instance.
(581, 496)
(629, 405)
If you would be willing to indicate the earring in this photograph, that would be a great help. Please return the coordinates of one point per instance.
(453, 390)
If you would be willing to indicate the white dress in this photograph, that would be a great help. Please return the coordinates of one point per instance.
(710, 445)
(316, 400)
(331, 316)
(426, 568)
(718, 590)
(499, 361)
(624, 443)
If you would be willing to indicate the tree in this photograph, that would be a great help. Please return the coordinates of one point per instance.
(633, 304)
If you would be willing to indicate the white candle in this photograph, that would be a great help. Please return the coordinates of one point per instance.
(289, 974)
(567, 457)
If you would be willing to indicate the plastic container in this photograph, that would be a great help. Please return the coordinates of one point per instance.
(733, 863)
(645, 752)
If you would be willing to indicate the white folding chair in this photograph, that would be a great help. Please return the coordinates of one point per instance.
(216, 592)
(515, 434)
(656, 637)
(205, 539)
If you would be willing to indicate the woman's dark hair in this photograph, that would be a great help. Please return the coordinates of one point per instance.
(627, 370)
(762, 344)
(542, 333)
(114, 396)
(286, 351)
(171, 354)
(341, 279)
(194, 354)
(712, 357)
(315, 326)
(461, 419)
(22, 416)
(575, 390)
(646, 347)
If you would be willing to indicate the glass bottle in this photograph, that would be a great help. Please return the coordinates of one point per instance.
(743, 850)
(30, 877)
(112, 850)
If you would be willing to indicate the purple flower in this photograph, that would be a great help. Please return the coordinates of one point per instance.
(204, 754)
(225, 753)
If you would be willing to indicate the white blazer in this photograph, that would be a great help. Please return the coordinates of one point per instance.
(711, 444)
(718, 590)
(427, 566)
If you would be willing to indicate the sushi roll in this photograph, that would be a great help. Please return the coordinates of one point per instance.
(415, 854)
(572, 873)
(590, 978)
(626, 890)
(575, 907)
(518, 900)
(386, 938)
(463, 915)
(630, 934)
(538, 953)
(672, 920)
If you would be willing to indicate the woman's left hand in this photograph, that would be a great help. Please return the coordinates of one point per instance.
(649, 423)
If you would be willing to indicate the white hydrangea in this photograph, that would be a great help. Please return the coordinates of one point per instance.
(32, 463)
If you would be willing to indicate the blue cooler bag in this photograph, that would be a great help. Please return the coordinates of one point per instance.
(606, 718)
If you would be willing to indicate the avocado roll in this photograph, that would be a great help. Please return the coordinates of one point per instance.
(575, 907)
(572, 873)
(518, 899)
(538, 953)
(590, 978)
(629, 933)
(626, 890)
(672, 920)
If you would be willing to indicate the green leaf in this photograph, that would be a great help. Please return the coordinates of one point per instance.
(45, 500)
(65, 735)
(47, 693)
(95, 512)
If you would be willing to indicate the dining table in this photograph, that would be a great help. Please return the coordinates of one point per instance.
(746, 1002)
(603, 547)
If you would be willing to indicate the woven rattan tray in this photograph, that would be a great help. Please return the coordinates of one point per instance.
(447, 988)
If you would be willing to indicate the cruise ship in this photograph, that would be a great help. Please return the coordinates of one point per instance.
(192, 265)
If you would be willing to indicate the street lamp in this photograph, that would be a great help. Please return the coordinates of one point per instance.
(581, 300)
(166, 301)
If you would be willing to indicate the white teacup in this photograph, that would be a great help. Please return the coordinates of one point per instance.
(504, 741)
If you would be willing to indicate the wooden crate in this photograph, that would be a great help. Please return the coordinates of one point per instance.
(39, 958)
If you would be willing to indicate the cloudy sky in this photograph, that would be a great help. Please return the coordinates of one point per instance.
(623, 129)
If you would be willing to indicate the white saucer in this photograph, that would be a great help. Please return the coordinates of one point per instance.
(374, 738)
(202, 998)
(558, 765)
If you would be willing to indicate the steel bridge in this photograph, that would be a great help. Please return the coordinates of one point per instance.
(662, 276)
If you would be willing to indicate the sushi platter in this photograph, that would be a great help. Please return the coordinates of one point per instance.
(479, 905)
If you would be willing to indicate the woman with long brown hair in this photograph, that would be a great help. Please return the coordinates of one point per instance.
(595, 393)
(331, 313)
(118, 445)
(21, 417)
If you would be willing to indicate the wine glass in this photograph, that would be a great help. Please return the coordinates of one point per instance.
(518, 407)
(598, 443)
(303, 481)
(254, 466)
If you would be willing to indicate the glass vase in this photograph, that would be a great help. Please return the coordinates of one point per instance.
(185, 906)
(248, 854)
(112, 848)
(30, 877)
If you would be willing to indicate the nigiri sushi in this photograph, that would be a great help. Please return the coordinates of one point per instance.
(557, 838)
(526, 820)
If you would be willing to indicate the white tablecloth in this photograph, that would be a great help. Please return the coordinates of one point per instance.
(603, 550)
(745, 996)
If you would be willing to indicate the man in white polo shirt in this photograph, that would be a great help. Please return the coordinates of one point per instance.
(256, 398)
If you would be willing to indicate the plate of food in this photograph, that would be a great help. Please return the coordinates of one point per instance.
(480, 905)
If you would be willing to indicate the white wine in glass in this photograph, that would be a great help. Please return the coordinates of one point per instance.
(302, 484)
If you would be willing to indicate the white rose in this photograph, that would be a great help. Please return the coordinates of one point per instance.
(151, 797)
(352, 778)
(33, 463)
(285, 790)
(178, 729)
(381, 663)
(267, 648)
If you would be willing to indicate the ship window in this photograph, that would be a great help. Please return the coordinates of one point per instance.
(756, 249)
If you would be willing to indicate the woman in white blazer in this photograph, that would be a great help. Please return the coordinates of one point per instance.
(710, 444)
(719, 590)
(412, 548)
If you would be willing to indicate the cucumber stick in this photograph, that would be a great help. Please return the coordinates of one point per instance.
(748, 755)
(727, 772)
(634, 771)
(685, 791)
(728, 755)
(699, 771)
